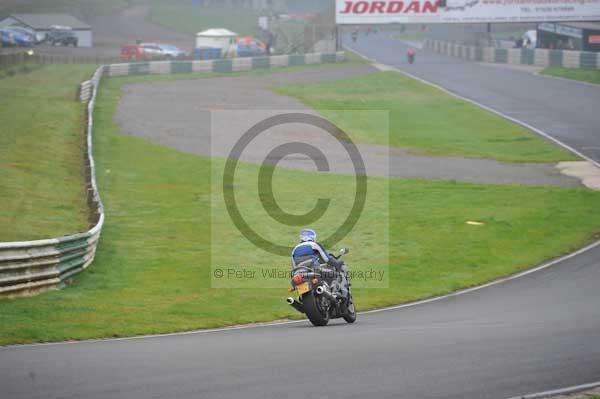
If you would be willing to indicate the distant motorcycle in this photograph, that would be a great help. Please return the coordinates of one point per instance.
(410, 56)
(322, 293)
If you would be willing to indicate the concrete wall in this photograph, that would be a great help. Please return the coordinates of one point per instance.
(222, 65)
(85, 38)
(538, 57)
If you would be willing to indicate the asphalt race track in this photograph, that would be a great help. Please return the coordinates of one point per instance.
(176, 115)
(566, 110)
(538, 332)
(531, 334)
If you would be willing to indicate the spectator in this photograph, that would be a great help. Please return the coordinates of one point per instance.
(270, 43)
(519, 43)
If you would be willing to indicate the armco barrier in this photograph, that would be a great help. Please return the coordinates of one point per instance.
(85, 91)
(538, 57)
(34, 266)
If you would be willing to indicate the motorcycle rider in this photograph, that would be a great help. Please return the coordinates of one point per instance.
(309, 248)
(410, 55)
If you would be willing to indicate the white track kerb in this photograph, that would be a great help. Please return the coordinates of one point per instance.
(579, 82)
(390, 308)
(288, 322)
(539, 395)
(559, 392)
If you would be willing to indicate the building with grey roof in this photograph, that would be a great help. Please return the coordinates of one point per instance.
(43, 23)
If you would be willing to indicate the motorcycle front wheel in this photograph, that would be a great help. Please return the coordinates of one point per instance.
(350, 316)
(318, 317)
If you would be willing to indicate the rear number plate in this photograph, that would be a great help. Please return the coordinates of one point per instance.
(303, 288)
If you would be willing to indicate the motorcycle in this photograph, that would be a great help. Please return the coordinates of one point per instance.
(410, 56)
(322, 294)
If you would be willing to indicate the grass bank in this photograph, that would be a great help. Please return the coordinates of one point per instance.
(191, 18)
(584, 75)
(423, 119)
(152, 273)
(41, 147)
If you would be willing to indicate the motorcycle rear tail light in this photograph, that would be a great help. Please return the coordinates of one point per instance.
(298, 279)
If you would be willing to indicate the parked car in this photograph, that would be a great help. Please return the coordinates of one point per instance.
(11, 38)
(132, 52)
(63, 36)
(207, 53)
(157, 50)
(250, 47)
(6, 38)
(36, 37)
(171, 51)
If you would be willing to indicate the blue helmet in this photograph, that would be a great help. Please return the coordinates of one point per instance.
(308, 235)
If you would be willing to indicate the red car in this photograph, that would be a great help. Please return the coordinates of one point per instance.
(133, 52)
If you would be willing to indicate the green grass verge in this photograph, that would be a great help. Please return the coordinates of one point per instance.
(352, 57)
(41, 146)
(189, 18)
(39, 154)
(584, 75)
(152, 271)
(422, 119)
(85, 7)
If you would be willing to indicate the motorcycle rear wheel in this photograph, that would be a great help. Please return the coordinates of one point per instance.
(317, 317)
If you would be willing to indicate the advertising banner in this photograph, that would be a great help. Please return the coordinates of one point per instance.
(353, 12)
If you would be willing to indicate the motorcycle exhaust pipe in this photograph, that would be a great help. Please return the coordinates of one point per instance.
(323, 291)
(295, 304)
